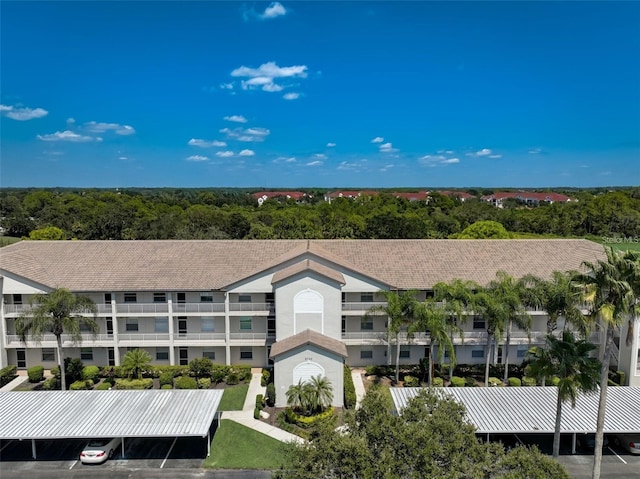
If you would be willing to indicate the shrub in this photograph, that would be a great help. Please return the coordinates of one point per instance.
(201, 367)
(218, 373)
(111, 381)
(410, 381)
(256, 413)
(437, 382)
(350, 397)
(146, 383)
(307, 421)
(50, 384)
(470, 382)
(493, 382)
(36, 374)
(457, 382)
(91, 373)
(73, 369)
(553, 381)
(271, 394)
(166, 386)
(527, 381)
(56, 372)
(80, 385)
(259, 401)
(175, 371)
(103, 386)
(166, 377)
(622, 377)
(186, 382)
(515, 382)
(204, 383)
(7, 374)
(232, 379)
(243, 372)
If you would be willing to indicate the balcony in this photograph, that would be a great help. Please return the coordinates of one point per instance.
(364, 338)
(248, 339)
(49, 341)
(142, 308)
(363, 307)
(252, 307)
(195, 308)
(194, 339)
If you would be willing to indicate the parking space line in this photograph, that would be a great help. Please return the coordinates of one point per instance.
(170, 449)
(73, 464)
(616, 454)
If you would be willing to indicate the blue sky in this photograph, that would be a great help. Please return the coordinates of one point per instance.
(327, 94)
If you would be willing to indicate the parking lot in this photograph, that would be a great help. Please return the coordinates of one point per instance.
(615, 461)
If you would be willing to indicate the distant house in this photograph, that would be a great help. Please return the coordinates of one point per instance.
(262, 196)
(351, 194)
(529, 197)
(417, 196)
(461, 195)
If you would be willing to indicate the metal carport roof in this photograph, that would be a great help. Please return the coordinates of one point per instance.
(496, 410)
(94, 414)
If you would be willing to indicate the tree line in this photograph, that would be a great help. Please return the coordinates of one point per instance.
(233, 214)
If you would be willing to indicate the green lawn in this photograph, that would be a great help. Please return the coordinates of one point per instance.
(235, 446)
(624, 246)
(233, 398)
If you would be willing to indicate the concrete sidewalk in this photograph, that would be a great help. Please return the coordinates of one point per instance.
(15, 383)
(356, 375)
(245, 417)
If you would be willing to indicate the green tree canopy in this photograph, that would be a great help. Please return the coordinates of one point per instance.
(484, 230)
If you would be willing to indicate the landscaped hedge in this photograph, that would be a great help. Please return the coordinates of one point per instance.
(527, 381)
(232, 379)
(437, 382)
(50, 384)
(271, 394)
(103, 386)
(515, 382)
(7, 374)
(186, 382)
(204, 383)
(166, 377)
(307, 421)
(81, 385)
(166, 386)
(350, 397)
(411, 381)
(457, 382)
(35, 374)
(146, 383)
(493, 382)
(91, 373)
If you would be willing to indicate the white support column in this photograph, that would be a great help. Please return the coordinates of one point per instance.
(208, 443)
(227, 327)
(114, 322)
(33, 448)
(4, 360)
(172, 352)
(573, 443)
(122, 449)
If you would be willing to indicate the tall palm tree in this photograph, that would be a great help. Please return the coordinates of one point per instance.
(135, 362)
(576, 370)
(57, 312)
(320, 392)
(458, 297)
(399, 310)
(296, 396)
(434, 319)
(612, 288)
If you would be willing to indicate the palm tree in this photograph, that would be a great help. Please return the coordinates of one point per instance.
(613, 291)
(576, 370)
(135, 362)
(458, 297)
(296, 396)
(399, 311)
(434, 319)
(58, 312)
(319, 392)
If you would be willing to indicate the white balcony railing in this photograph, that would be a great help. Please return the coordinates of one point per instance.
(141, 308)
(251, 307)
(66, 339)
(248, 336)
(366, 306)
(187, 337)
(198, 307)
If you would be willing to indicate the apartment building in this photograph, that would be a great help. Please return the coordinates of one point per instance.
(299, 305)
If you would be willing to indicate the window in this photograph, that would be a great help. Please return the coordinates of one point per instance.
(270, 298)
(182, 297)
(344, 297)
(366, 297)
(86, 354)
(183, 354)
(246, 353)
(17, 299)
(207, 325)
(344, 324)
(405, 352)
(111, 356)
(131, 325)
(209, 355)
(366, 354)
(245, 324)
(159, 297)
(107, 298)
(446, 354)
(48, 354)
(478, 323)
(130, 297)
(206, 297)
(84, 328)
(366, 324)
(521, 353)
(162, 354)
(162, 325)
(477, 353)
(244, 298)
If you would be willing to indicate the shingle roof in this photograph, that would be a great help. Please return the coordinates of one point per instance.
(308, 336)
(533, 409)
(195, 265)
(308, 265)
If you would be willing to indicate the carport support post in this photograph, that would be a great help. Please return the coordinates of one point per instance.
(122, 446)
(33, 448)
(208, 443)
(573, 443)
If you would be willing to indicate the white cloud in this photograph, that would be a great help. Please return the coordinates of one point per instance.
(206, 143)
(123, 158)
(68, 135)
(291, 96)
(272, 88)
(224, 154)
(236, 118)
(377, 139)
(356, 166)
(387, 148)
(22, 114)
(450, 161)
(226, 86)
(100, 127)
(284, 159)
(276, 9)
(535, 151)
(71, 121)
(435, 160)
(483, 152)
(495, 156)
(320, 156)
(331, 145)
(271, 70)
(253, 134)
(197, 158)
(247, 153)
(387, 167)
(314, 163)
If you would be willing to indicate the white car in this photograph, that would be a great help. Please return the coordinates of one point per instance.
(98, 451)
(629, 442)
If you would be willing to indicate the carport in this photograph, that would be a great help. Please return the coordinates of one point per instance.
(532, 410)
(107, 414)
